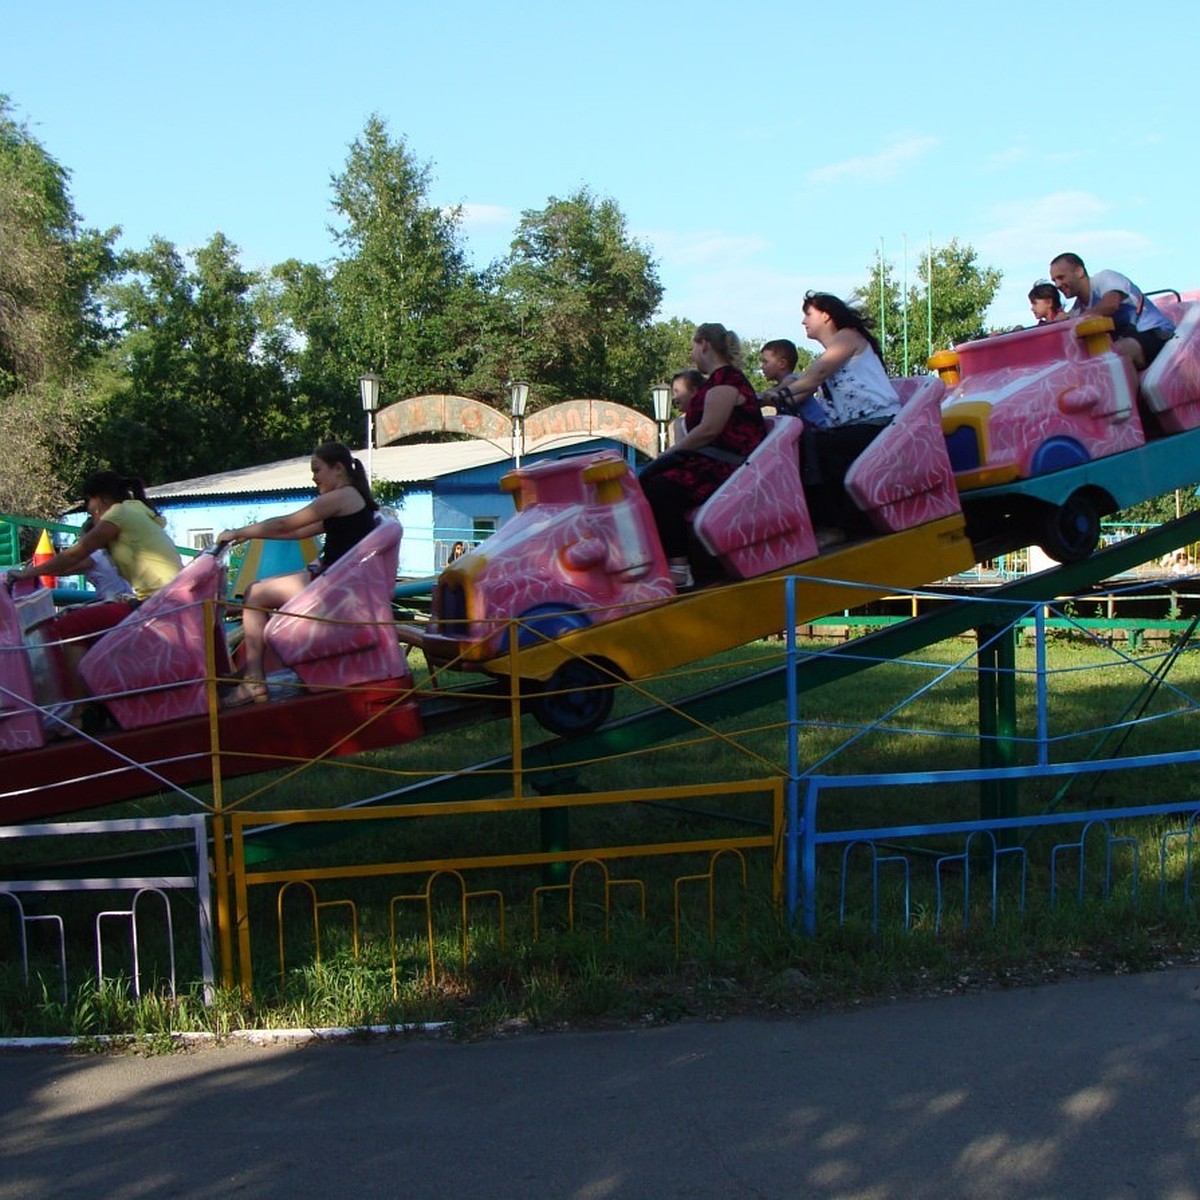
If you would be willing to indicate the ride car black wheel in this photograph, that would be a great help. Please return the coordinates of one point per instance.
(1071, 531)
(576, 699)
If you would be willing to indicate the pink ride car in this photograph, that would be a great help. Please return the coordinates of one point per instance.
(340, 684)
(1032, 416)
(583, 552)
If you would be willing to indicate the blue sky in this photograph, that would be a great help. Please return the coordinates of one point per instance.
(758, 150)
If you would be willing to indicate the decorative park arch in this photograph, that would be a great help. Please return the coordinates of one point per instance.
(572, 418)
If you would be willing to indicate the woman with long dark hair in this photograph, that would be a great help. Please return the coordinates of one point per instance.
(722, 424)
(344, 511)
(126, 525)
(860, 400)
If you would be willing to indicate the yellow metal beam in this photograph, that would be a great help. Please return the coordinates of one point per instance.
(699, 624)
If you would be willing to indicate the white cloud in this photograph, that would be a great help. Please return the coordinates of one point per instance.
(1053, 212)
(1024, 235)
(488, 229)
(487, 216)
(756, 301)
(703, 248)
(877, 167)
(1068, 156)
(712, 275)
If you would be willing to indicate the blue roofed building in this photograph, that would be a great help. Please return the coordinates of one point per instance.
(449, 492)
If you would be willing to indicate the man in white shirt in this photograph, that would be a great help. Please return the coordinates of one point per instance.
(1140, 330)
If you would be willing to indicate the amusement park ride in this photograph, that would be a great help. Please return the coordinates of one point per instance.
(1030, 437)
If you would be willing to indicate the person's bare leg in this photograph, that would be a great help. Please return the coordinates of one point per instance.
(1131, 349)
(262, 598)
(72, 655)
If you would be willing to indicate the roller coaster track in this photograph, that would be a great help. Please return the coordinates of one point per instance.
(1007, 602)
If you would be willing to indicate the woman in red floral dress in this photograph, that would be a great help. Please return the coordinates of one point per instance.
(723, 423)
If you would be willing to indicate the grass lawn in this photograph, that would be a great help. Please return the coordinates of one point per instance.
(915, 714)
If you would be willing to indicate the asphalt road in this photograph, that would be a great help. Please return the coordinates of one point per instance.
(1088, 1089)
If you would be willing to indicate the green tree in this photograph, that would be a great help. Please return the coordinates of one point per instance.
(961, 293)
(398, 299)
(581, 294)
(189, 390)
(299, 330)
(400, 262)
(670, 344)
(1162, 508)
(51, 327)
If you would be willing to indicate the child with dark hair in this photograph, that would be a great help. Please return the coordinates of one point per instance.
(1045, 303)
(778, 359)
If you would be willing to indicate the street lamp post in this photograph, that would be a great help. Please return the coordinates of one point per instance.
(518, 395)
(660, 393)
(368, 385)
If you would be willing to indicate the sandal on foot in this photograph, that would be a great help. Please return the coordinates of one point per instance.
(245, 693)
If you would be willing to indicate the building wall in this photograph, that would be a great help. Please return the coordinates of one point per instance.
(457, 506)
(467, 508)
(189, 523)
(417, 559)
(195, 524)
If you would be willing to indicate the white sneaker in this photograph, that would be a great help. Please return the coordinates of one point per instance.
(681, 577)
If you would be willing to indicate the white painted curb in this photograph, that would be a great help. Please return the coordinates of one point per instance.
(254, 1037)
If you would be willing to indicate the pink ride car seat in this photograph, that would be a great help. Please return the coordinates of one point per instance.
(340, 630)
(757, 521)
(157, 652)
(1170, 386)
(904, 478)
(20, 723)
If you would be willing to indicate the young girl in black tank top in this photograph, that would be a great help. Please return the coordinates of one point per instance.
(344, 511)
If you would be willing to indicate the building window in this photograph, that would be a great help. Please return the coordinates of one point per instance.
(201, 539)
(482, 527)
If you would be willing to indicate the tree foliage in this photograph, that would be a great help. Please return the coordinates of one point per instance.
(670, 343)
(581, 294)
(398, 299)
(1162, 508)
(51, 329)
(400, 267)
(168, 364)
(188, 391)
(961, 293)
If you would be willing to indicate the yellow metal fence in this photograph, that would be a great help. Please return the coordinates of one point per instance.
(307, 877)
